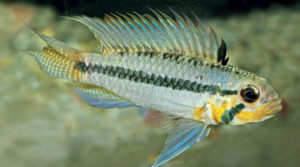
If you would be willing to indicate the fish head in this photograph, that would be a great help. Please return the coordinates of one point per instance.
(257, 101)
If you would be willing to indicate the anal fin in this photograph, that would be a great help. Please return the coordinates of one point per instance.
(182, 137)
(98, 96)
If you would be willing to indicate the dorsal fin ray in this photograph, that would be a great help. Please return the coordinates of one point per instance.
(160, 33)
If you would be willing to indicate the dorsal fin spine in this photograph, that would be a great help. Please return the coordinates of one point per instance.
(148, 28)
(106, 25)
(104, 34)
(156, 24)
(94, 28)
(132, 29)
(121, 43)
(195, 37)
(203, 33)
(173, 25)
(136, 31)
(145, 33)
(126, 42)
(132, 48)
(168, 31)
(142, 31)
(110, 37)
(183, 27)
(213, 43)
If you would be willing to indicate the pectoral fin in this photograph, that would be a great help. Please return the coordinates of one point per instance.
(181, 138)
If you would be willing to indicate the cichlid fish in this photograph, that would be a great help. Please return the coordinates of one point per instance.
(160, 63)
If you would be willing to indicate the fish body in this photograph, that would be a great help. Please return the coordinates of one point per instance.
(171, 83)
(159, 63)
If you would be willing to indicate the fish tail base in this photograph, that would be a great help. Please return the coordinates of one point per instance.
(56, 64)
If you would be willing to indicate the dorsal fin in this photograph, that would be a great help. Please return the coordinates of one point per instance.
(134, 32)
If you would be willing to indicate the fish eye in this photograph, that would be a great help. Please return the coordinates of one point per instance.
(249, 93)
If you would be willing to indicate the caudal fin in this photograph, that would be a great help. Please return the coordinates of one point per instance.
(57, 59)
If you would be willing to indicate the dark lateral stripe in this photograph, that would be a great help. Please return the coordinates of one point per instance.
(157, 80)
(229, 114)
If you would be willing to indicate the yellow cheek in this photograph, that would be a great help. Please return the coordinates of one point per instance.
(254, 116)
(216, 107)
(247, 116)
(217, 111)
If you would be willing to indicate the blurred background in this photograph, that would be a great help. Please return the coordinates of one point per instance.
(44, 124)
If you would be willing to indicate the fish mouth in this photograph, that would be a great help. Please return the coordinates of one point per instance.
(271, 108)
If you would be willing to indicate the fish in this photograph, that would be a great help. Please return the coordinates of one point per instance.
(172, 64)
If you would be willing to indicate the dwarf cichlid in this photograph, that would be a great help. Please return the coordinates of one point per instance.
(162, 63)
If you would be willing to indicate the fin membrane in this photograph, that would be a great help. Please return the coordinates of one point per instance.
(134, 32)
(181, 138)
(58, 46)
(99, 97)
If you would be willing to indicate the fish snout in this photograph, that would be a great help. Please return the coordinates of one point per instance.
(272, 107)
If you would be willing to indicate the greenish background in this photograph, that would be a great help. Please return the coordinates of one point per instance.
(44, 124)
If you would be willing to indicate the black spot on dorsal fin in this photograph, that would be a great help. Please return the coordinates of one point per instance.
(222, 54)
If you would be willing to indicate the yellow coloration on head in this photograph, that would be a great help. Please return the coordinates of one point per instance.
(212, 112)
(264, 112)
(248, 116)
(255, 101)
(218, 105)
(217, 111)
